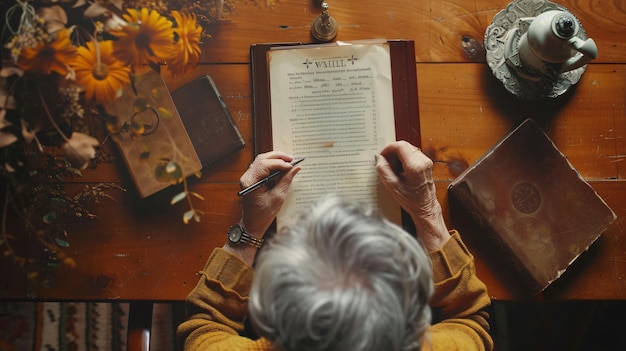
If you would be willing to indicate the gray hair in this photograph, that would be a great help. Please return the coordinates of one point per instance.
(342, 277)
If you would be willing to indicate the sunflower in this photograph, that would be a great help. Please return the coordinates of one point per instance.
(148, 37)
(100, 73)
(188, 50)
(48, 56)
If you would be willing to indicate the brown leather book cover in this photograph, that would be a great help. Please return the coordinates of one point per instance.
(404, 82)
(208, 122)
(190, 126)
(532, 202)
(150, 132)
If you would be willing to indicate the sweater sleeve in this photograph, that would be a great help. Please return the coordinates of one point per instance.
(460, 300)
(218, 305)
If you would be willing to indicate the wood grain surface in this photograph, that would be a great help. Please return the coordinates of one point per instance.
(140, 249)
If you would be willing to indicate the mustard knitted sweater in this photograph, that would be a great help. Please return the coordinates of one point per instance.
(218, 305)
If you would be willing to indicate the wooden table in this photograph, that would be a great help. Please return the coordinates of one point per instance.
(140, 249)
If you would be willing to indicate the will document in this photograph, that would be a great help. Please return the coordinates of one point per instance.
(334, 106)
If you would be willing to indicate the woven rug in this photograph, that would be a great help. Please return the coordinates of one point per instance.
(79, 326)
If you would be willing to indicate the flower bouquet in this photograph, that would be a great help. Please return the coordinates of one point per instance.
(62, 62)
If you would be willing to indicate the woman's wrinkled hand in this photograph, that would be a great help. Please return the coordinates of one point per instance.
(261, 205)
(407, 174)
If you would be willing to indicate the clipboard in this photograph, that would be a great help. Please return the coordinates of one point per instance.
(405, 97)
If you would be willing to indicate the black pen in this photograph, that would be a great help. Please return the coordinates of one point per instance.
(267, 179)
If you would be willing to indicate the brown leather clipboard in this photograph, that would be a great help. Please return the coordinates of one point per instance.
(404, 82)
(405, 100)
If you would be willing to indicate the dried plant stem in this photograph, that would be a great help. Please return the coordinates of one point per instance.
(186, 190)
(50, 118)
(5, 236)
(28, 12)
(176, 154)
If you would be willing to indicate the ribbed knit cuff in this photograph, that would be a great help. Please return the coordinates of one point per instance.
(450, 259)
(230, 270)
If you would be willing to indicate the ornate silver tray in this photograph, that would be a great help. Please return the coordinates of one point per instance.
(495, 39)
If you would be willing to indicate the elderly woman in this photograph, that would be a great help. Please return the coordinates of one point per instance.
(341, 277)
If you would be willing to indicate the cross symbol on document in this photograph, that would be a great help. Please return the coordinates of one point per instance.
(307, 63)
(351, 59)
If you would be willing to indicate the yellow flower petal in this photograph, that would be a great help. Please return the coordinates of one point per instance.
(101, 79)
(148, 37)
(47, 57)
(188, 51)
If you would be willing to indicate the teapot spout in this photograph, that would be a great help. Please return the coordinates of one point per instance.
(587, 51)
(586, 47)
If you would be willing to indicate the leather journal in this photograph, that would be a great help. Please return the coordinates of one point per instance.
(208, 122)
(532, 205)
(190, 126)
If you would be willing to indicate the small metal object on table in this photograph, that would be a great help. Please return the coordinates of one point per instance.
(324, 27)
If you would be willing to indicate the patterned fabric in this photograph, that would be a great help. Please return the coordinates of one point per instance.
(61, 326)
(17, 329)
(80, 326)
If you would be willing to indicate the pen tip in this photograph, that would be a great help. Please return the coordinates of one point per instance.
(297, 160)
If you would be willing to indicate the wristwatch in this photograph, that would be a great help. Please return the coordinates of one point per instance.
(236, 234)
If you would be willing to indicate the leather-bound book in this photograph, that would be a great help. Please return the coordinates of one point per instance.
(190, 127)
(533, 204)
(208, 122)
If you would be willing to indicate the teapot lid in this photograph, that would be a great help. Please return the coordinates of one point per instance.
(564, 25)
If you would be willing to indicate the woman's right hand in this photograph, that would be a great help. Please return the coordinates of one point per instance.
(261, 205)
(407, 174)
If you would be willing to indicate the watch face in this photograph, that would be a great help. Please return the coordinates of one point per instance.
(234, 234)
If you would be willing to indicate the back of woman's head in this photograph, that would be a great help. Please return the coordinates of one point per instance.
(341, 277)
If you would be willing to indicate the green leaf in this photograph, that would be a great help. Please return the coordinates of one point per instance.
(188, 216)
(74, 171)
(52, 264)
(178, 197)
(169, 172)
(171, 167)
(165, 113)
(62, 243)
(50, 217)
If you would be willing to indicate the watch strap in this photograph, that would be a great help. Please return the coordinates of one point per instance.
(250, 240)
(247, 238)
